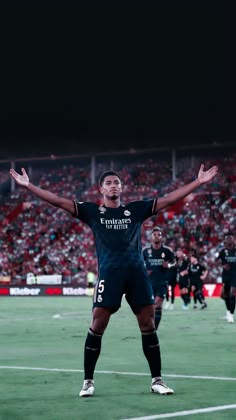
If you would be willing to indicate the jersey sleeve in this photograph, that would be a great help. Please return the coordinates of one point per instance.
(146, 260)
(172, 258)
(143, 209)
(84, 211)
(221, 257)
(203, 268)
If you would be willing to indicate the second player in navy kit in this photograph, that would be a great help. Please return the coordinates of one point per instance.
(227, 258)
(197, 274)
(117, 234)
(158, 258)
(182, 264)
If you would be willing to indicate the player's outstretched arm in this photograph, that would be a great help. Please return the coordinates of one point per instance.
(176, 195)
(53, 199)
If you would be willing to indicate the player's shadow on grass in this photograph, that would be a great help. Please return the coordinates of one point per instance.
(121, 393)
(129, 338)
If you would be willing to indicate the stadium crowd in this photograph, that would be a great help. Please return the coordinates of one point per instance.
(63, 245)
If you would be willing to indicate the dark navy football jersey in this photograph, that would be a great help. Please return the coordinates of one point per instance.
(195, 272)
(182, 265)
(117, 231)
(228, 256)
(154, 259)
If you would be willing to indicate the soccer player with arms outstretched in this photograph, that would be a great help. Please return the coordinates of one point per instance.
(121, 268)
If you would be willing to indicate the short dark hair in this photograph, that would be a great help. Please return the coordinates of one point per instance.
(228, 235)
(193, 253)
(157, 228)
(105, 174)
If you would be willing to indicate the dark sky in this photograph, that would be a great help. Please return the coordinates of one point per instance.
(95, 75)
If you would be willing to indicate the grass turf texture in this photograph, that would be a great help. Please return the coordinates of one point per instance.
(193, 343)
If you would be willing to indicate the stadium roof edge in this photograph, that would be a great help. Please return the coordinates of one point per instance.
(130, 151)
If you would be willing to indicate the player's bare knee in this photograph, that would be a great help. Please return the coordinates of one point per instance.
(147, 325)
(146, 322)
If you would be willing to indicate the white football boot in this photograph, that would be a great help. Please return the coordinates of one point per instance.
(87, 389)
(159, 386)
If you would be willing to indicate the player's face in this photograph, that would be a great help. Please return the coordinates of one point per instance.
(157, 236)
(229, 241)
(179, 253)
(111, 187)
(193, 259)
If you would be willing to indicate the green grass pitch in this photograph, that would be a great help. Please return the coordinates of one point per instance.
(41, 363)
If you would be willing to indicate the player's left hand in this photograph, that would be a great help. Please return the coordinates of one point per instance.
(205, 176)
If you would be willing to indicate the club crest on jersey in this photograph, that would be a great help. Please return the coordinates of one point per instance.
(163, 255)
(149, 252)
(127, 213)
(102, 209)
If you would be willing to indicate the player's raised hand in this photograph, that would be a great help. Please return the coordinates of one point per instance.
(22, 180)
(205, 176)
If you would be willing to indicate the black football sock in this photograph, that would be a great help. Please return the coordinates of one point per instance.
(92, 349)
(158, 314)
(151, 350)
(200, 294)
(199, 297)
(227, 303)
(232, 304)
(167, 295)
(185, 298)
(172, 295)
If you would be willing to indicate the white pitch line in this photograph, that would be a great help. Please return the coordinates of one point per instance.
(215, 378)
(113, 372)
(186, 412)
